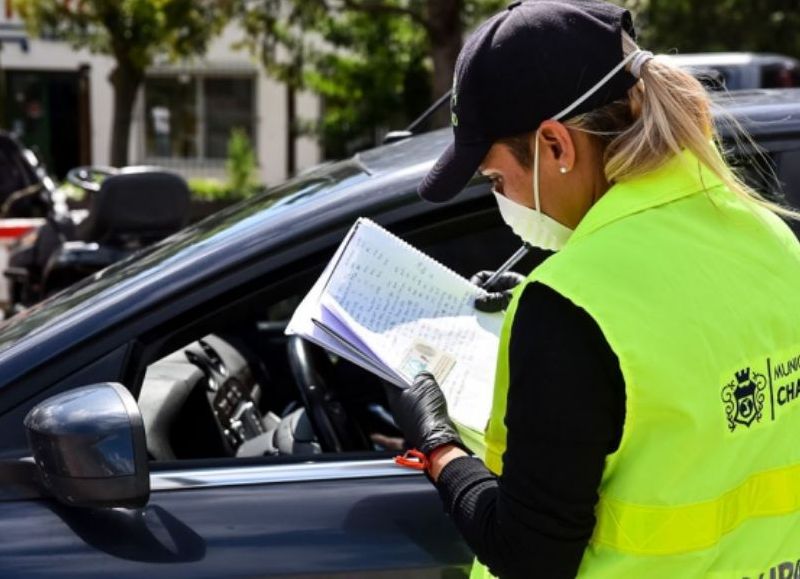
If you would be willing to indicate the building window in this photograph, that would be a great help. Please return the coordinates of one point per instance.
(191, 116)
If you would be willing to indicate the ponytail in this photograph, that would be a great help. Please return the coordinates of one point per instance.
(666, 111)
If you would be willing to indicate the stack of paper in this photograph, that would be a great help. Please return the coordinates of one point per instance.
(395, 311)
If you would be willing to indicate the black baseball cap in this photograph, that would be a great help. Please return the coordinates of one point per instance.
(521, 67)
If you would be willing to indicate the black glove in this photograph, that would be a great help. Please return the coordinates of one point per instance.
(499, 294)
(421, 413)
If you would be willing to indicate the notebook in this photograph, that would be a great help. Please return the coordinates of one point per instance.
(395, 311)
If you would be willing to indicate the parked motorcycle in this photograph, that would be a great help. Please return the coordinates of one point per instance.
(129, 208)
(25, 185)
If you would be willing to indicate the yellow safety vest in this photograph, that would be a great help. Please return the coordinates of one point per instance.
(698, 295)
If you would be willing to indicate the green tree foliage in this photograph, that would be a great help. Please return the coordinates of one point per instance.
(718, 25)
(376, 79)
(241, 164)
(376, 63)
(134, 33)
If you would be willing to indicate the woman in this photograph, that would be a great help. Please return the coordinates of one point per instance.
(635, 430)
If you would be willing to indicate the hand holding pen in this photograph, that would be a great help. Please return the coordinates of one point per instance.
(499, 284)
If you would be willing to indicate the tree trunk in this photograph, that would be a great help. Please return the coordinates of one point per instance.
(293, 80)
(291, 133)
(84, 115)
(126, 80)
(445, 34)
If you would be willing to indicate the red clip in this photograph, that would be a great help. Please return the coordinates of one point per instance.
(413, 458)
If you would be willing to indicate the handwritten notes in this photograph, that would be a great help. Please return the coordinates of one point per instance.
(388, 298)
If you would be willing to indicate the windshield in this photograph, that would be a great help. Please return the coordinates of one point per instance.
(216, 228)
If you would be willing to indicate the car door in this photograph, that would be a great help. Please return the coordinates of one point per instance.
(337, 515)
(353, 518)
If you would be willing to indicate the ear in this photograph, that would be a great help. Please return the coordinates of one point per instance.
(556, 145)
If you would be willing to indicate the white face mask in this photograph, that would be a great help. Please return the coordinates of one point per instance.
(533, 226)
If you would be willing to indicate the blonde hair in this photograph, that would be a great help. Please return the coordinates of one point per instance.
(666, 111)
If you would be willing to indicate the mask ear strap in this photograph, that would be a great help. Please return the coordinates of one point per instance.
(536, 204)
(640, 55)
(577, 102)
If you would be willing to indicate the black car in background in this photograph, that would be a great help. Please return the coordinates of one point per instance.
(193, 328)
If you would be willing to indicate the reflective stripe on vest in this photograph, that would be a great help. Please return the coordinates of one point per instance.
(646, 530)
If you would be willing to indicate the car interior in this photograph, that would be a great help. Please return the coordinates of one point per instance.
(228, 382)
(235, 386)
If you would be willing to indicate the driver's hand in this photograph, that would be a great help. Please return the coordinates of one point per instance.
(499, 293)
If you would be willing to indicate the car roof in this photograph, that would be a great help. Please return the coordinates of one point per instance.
(729, 58)
(764, 113)
(419, 150)
(321, 199)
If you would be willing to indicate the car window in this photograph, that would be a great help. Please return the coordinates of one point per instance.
(788, 170)
(192, 241)
(775, 175)
(780, 76)
(237, 387)
(486, 248)
(759, 172)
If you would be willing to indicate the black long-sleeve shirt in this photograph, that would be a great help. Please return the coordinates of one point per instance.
(566, 407)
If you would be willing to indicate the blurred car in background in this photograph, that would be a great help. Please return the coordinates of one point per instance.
(741, 70)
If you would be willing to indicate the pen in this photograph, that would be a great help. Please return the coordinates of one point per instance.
(510, 262)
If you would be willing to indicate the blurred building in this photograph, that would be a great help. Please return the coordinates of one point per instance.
(60, 100)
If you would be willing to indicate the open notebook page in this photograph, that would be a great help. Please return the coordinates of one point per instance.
(314, 324)
(396, 300)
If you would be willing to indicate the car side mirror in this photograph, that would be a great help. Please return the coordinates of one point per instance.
(89, 447)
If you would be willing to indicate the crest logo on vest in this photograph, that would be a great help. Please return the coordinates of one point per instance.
(761, 390)
(744, 398)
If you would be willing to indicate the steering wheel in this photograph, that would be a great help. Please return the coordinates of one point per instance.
(313, 371)
(89, 177)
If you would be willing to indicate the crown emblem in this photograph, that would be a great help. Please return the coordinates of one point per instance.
(744, 398)
(746, 386)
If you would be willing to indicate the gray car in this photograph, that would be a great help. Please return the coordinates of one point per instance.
(741, 70)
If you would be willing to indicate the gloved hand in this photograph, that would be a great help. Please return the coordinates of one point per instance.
(421, 413)
(499, 294)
